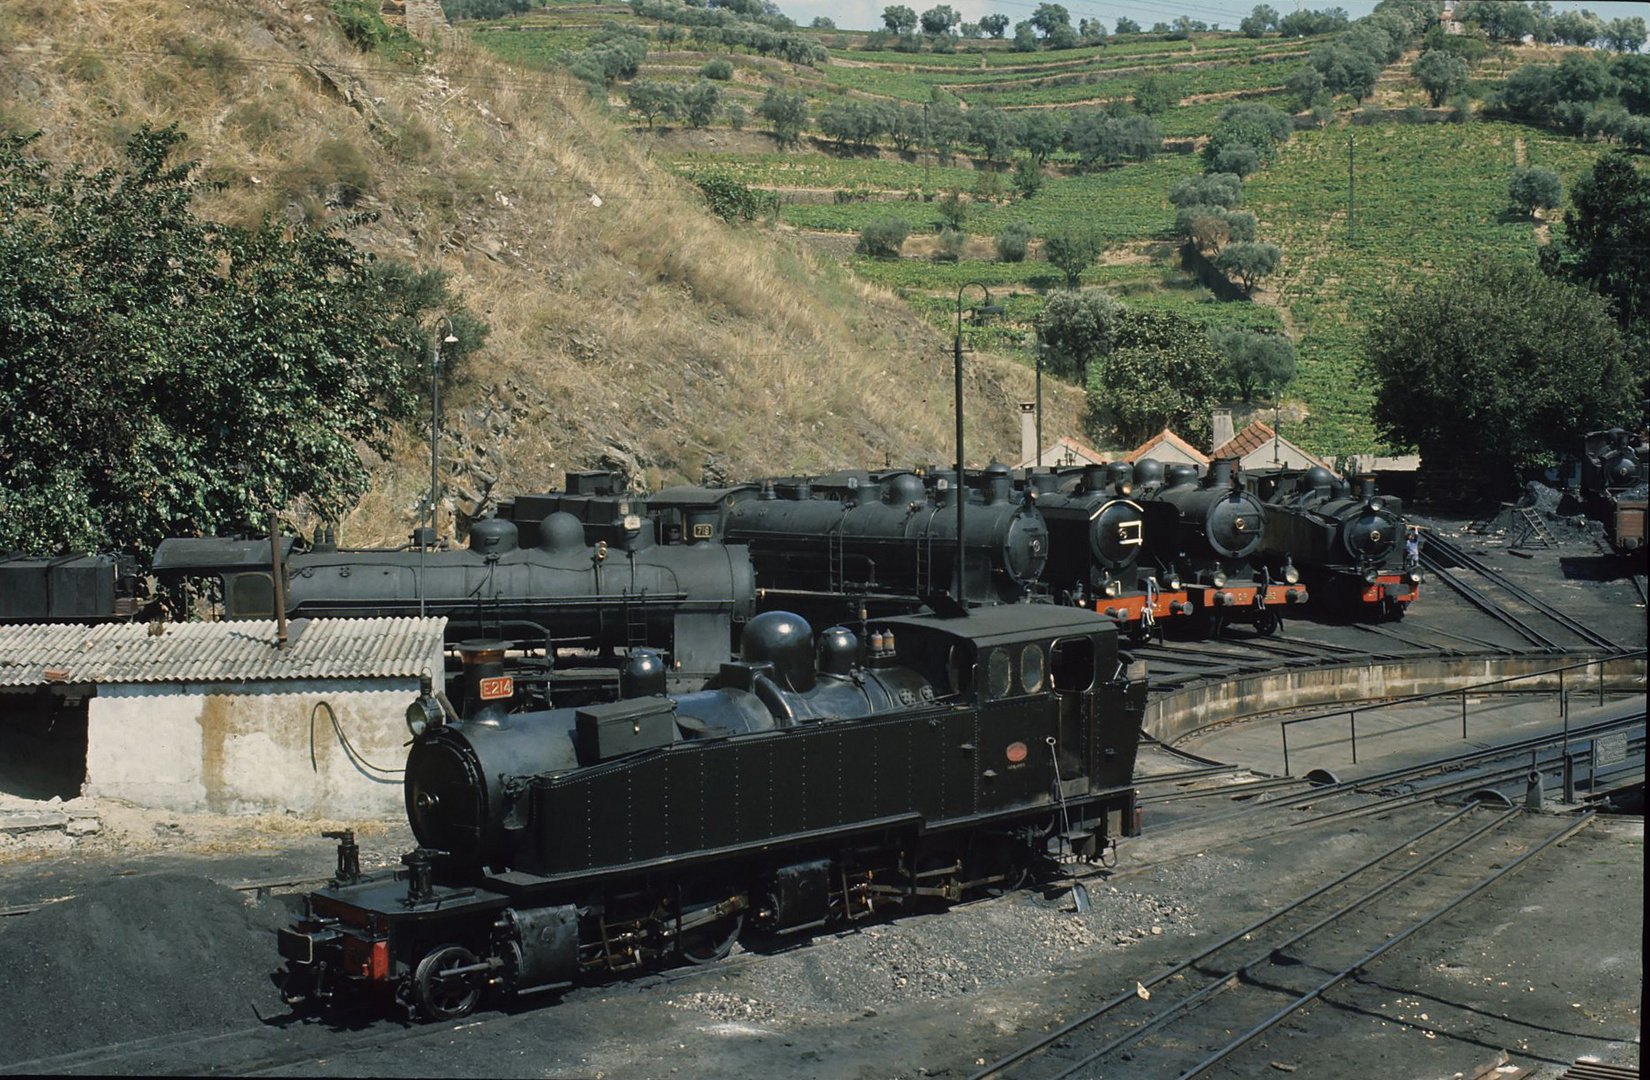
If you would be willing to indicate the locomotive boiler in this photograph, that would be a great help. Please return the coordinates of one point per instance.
(808, 784)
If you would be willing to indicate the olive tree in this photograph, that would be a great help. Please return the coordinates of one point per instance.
(1533, 188)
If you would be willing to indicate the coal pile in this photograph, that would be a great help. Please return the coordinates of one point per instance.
(135, 958)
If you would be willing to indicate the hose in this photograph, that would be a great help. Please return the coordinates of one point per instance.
(353, 754)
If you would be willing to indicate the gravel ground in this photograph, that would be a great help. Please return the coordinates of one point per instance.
(972, 948)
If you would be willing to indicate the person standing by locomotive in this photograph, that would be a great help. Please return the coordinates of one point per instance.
(1412, 549)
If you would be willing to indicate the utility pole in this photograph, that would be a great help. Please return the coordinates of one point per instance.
(1351, 156)
(927, 147)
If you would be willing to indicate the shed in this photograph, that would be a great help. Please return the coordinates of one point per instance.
(215, 716)
(1258, 446)
(1168, 448)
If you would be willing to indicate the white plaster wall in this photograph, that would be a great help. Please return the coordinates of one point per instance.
(245, 748)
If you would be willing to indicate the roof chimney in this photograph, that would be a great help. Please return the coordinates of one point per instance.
(1220, 428)
(1028, 434)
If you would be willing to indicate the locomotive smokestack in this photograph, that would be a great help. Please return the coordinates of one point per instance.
(1366, 485)
(1221, 473)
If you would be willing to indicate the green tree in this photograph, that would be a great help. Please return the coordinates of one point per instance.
(1210, 189)
(164, 374)
(1606, 233)
(1075, 328)
(1050, 17)
(1345, 70)
(952, 209)
(1625, 35)
(785, 113)
(1305, 88)
(1504, 366)
(1025, 37)
(1161, 372)
(1028, 176)
(1072, 248)
(1126, 25)
(883, 239)
(701, 102)
(1013, 241)
(653, 99)
(1632, 74)
(720, 69)
(994, 24)
(940, 20)
(1255, 361)
(1249, 262)
(899, 19)
(1259, 21)
(1440, 75)
(1534, 188)
(1155, 95)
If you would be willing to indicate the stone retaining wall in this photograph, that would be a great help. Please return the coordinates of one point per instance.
(1172, 717)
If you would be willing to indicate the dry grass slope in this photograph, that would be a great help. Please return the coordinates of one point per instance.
(627, 322)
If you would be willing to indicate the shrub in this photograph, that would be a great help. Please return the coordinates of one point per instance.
(366, 30)
(736, 115)
(953, 211)
(731, 200)
(951, 245)
(719, 69)
(1028, 176)
(1013, 241)
(1249, 262)
(883, 239)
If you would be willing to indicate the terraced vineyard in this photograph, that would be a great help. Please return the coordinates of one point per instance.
(1431, 197)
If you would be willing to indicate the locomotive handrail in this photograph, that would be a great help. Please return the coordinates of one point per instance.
(1462, 691)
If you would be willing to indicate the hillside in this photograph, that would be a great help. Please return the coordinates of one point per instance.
(1430, 195)
(627, 324)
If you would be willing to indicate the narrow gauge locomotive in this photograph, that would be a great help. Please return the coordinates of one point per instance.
(790, 794)
(559, 593)
(1096, 536)
(1615, 485)
(1201, 538)
(1346, 545)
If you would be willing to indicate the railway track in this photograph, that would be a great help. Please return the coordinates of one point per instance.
(1442, 557)
(1232, 992)
(1454, 774)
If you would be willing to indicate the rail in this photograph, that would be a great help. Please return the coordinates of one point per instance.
(1563, 693)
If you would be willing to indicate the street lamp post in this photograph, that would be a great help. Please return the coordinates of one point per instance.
(961, 491)
(435, 422)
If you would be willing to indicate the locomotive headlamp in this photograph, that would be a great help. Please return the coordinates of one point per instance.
(423, 713)
(1173, 582)
(1113, 587)
(1370, 576)
(1219, 579)
(633, 523)
(1375, 505)
(1415, 577)
(1291, 575)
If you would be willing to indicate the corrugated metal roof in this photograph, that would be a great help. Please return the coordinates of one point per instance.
(35, 654)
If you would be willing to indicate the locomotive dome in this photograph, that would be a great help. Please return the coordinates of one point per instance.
(784, 640)
(561, 531)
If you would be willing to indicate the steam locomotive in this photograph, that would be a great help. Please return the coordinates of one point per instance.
(848, 545)
(806, 785)
(1347, 544)
(556, 595)
(1615, 485)
(1202, 537)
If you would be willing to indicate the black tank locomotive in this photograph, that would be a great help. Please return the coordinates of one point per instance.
(791, 793)
(1615, 485)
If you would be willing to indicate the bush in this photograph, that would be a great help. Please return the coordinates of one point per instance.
(1013, 241)
(883, 239)
(719, 69)
(366, 30)
(736, 115)
(1028, 176)
(953, 211)
(731, 200)
(951, 245)
(1249, 262)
